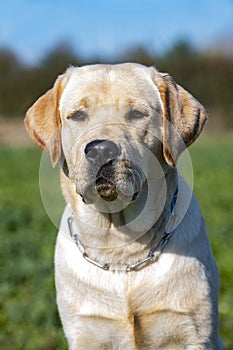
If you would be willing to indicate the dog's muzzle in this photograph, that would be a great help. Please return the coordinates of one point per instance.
(115, 177)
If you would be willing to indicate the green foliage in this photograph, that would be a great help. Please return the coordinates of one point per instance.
(209, 77)
(213, 181)
(28, 312)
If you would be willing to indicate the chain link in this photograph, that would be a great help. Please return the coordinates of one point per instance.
(141, 263)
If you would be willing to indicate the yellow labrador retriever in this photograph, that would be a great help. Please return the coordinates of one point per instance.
(134, 269)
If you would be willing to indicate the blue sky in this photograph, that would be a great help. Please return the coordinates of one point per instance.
(106, 28)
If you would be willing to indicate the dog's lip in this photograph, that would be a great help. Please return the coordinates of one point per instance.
(104, 182)
(126, 186)
(109, 196)
(110, 192)
(106, 189)
(135, 196)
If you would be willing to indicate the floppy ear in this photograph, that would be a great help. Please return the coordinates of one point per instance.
(183, 118)
(43, 121)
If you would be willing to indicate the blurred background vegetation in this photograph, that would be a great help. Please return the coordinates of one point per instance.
(28, 312)
(208, 75)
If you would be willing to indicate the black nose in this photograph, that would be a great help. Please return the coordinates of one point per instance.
(102, 151)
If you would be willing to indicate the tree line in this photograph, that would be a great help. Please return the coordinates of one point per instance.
(209, 77)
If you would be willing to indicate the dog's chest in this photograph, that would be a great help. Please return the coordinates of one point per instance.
(105, 293)
(128, 304)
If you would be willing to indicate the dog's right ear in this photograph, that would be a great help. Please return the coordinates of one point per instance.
(43, 121)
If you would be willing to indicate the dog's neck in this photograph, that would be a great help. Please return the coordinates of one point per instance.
(128, 234)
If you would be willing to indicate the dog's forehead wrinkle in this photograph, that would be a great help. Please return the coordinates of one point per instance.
(102, 83)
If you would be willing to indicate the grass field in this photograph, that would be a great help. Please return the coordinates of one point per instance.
(28, 313)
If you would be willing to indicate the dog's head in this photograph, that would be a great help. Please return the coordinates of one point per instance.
(104, 122)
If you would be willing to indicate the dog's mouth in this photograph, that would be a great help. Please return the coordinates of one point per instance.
(119, 179)
(106, 190)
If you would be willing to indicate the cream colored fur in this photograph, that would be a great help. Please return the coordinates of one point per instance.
(171, 303)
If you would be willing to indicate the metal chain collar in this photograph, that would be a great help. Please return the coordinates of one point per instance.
(151, 258)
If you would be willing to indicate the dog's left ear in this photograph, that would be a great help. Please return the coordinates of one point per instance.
(43, 120)
(183, 118)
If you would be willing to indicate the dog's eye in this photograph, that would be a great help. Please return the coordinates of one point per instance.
(78, 115)
(136, 114)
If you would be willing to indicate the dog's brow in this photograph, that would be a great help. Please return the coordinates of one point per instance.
(84, 102)
(135, 101)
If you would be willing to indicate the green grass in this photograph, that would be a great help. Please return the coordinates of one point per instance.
(213, 184)
(28, 312)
